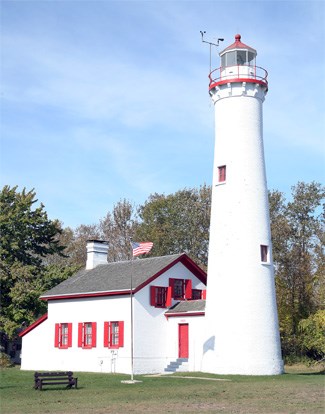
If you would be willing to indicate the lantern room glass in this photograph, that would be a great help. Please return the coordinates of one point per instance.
(238, 57)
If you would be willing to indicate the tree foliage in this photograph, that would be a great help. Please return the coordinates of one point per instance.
(313, 334)
(298, 249)
(27, 235)
(27, 238)
(177, 223)
(117, 227)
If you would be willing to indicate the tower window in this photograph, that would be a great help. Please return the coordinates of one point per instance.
(264, 253)
(222, 174)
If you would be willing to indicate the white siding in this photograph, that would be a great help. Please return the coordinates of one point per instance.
(153, 348)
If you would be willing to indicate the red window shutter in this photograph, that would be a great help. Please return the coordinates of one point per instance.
(188, 289)
(106, 334)
(56, 335)
(94, 334)
(204, 294)
(80, 335)
(169, 297)
(121, 334)
(171, 284)
(153, 295)
(69, 335)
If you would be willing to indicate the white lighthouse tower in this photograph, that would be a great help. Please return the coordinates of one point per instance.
(241, 312)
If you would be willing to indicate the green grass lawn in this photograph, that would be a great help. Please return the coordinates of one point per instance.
(300, 390)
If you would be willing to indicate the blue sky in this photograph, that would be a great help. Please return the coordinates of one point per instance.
(106, 100)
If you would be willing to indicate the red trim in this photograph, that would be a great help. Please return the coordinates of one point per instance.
(121, 334)
(86, 295)
(184, 314)
(237, 80)
(204, 294)
(56, 335)
(69, 334)
(169, 297)
(33, 325)
(188, 289)
(94, 334)
(80, 335)
(153, 295)
(106, 324)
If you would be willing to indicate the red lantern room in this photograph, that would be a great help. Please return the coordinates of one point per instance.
(238, 64)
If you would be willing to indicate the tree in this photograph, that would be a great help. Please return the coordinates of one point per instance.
(27, 237)
(313, 334)
(177, 223)
(298, 248)
(117, 228)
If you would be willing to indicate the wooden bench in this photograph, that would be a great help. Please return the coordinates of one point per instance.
(54, 378)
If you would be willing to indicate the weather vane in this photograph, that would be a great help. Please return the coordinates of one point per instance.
(211, 44)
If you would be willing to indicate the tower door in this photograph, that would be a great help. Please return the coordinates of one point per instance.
(183, 340)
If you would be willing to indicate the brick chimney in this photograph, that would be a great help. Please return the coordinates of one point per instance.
(96, 253)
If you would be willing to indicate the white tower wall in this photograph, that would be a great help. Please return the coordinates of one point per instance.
(241, 312)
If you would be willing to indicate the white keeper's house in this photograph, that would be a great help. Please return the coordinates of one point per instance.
(88, 323)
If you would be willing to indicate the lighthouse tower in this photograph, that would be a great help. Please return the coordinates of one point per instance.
(241, 312)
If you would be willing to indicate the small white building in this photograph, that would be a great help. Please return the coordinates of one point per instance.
(88, 324)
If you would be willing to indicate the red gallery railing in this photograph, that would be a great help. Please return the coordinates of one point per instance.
(236, 73)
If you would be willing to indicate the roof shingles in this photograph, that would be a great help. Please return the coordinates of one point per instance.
(112, 277)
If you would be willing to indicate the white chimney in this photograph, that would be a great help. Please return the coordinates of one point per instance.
(96, 253)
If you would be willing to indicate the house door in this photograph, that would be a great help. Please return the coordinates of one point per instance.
(183, 340)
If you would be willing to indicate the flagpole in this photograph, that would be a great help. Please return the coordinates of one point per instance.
(137, 248)
(131, 300)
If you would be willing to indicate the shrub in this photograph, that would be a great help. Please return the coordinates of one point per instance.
(5, 360)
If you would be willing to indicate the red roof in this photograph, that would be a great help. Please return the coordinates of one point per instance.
(238, 45)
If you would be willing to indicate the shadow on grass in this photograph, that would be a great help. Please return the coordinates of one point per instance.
(313, 373)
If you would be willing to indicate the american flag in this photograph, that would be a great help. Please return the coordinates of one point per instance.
(141, 247)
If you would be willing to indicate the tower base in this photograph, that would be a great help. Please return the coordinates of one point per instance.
(215, 364)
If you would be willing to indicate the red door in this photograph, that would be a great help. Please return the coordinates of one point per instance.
(183, 340)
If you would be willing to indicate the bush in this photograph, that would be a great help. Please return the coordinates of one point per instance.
(5, 360)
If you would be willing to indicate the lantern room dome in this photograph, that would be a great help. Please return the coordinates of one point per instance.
(237, 45)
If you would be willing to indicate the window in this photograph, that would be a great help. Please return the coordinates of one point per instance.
(63, 335)
(87, 335)
(160, 296)
(222, 174)
(196, 294)
(114, 334)
(264, 253)
(181, 288)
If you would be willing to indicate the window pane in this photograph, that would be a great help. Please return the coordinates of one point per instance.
(231, 58)
(161, 293)
(251, 57)
(196, 294)
(88, 334)
(64, 334)
(241, 57)
(264, 253)
(115, 333)
(178, 288)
